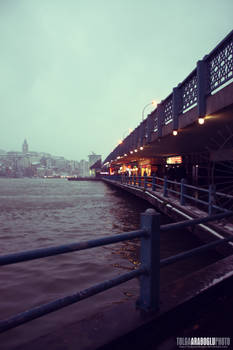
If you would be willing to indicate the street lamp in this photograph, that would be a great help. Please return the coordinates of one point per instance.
(152, 103)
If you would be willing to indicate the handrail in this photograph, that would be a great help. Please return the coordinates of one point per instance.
(164, 184)
(58, 304)
(68, 248)
(149, 270)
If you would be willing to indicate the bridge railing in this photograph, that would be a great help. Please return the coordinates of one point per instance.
(148, 272)
(206, 199)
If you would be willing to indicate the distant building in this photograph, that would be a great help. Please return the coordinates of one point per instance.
(84, 168)
(25, 146)
(93, 158)
(96, 168)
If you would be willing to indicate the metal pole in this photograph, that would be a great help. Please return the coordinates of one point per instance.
(211, 199)
(154, 183)
(150, 260)
(145, 181)
(182, 192)
(165, 187)
(134, 179)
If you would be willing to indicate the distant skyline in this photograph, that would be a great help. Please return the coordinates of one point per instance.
(25, 149)
(76, 74)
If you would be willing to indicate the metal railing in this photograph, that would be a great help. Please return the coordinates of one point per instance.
(203, 198)
(148, 272)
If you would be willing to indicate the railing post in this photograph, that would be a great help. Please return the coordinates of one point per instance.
(134, 179)
(153, 183)
(182, 192)
(211, 199)
(145, 181)
(139, 180)
(150, 259)
(165, 194)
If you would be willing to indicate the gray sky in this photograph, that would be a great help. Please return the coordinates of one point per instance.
(76, 74)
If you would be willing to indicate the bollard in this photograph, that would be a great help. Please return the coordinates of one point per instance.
(165, 187)
(211, 199)
(150, 259)
(153, 183)
(182, 192)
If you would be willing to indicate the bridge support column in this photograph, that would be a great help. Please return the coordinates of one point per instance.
(150, 259)
(176, 107)
(202, 87)
(160, 115)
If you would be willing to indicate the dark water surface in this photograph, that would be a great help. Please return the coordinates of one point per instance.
(37, 213)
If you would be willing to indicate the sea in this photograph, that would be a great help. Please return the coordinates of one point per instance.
(37, 213)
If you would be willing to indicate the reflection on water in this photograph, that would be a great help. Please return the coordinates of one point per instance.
(40, 213)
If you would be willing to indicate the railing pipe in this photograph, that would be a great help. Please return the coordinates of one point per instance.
(193, 252)
(45, 252)
(193, 222)
(42, 310)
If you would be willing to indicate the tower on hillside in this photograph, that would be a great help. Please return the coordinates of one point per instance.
(25, 147)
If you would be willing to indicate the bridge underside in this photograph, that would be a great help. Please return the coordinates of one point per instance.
(212, 136)
(206, 150)
(215, 134)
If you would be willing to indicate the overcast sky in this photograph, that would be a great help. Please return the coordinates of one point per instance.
(76, 74)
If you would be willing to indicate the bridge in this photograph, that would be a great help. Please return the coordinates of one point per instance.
(180, 160)
(192, 128)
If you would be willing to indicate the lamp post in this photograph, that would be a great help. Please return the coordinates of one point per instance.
(152, 103)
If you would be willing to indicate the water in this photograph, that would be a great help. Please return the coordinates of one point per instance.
(37, 213)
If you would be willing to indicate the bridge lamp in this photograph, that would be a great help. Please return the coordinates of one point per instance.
(201, 121)
(135, 150)
(174, 132)
(152, 103)
(141, 148)
(125, 155)
(131, 152)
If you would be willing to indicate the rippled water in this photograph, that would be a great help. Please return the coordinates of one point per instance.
(38, 213)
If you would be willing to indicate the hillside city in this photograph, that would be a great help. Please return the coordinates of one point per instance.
(39, 164)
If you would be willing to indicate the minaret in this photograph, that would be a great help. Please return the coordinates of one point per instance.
(25, 147)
